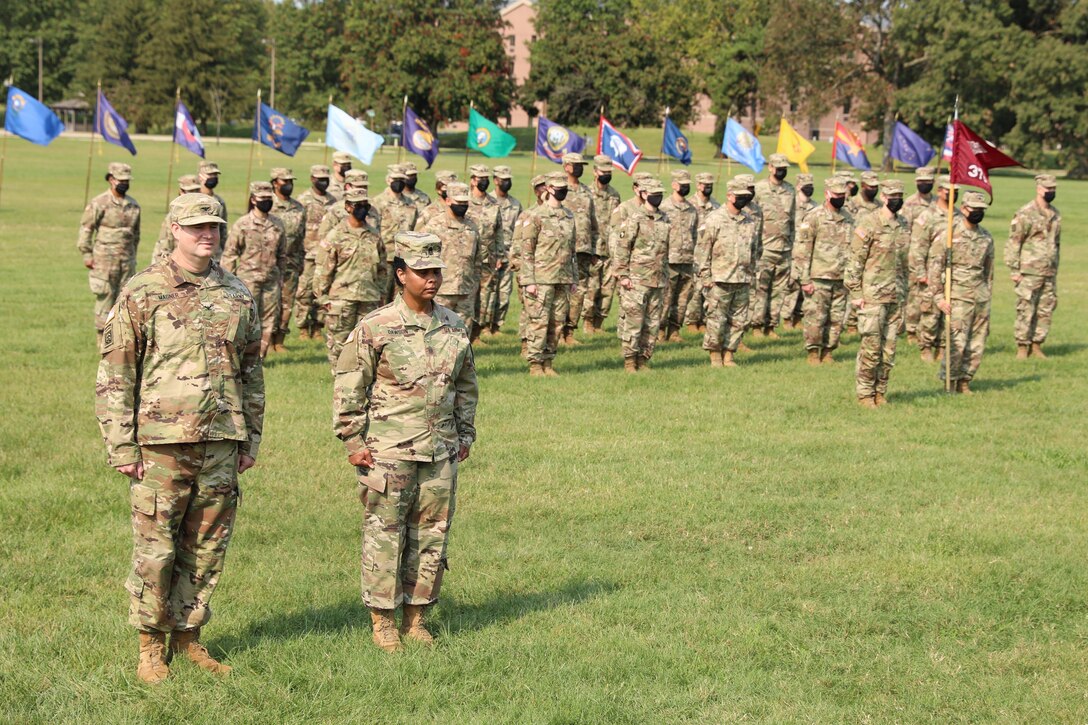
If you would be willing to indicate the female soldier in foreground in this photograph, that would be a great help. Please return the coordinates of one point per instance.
(405, 402)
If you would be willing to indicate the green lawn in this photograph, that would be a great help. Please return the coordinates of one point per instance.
(690, 544)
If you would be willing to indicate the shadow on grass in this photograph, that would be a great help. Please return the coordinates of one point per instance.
(1065, 348)
(979, 385)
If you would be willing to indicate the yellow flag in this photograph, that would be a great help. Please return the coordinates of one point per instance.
(795, 146)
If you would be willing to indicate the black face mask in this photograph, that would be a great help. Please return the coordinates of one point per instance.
(924, 187)
(122, 187)
(359, 211)
(708, 190)
(411, 182)
(504, 185)
(321, 185)
(853, 189)
(345, 168)
(837, 201)
(868, 194)
(459, 210)
(976, 215)
(559, 194)
(211, 182)
(287, 189)
(895, 205)
(576, 171)
(807, 190)
(604, 179)
(441, 193)
(482, 184)
(780, 173)
(741, 201)
(684, 189)
(1048, 196)
(265, 205)
(397, 186)
(654, 200)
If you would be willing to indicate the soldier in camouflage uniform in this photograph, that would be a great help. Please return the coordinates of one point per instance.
(208, 175)
(579, 201)
(397, 214)
(793, 301)
(317, 201)
(483, 210)
(180, 401)
(619, 216)
(355, 179)
(913, 207)
(972, 273)
(705, 203)
(187, 184)
(602, 285)
(640, 248)
(819, 258)
(876, 275)
(726, 256)
(464, 255)
(779, 201)
(436, 208)
(754, 210)
(539, 190)
(865, 205)
(851, 180)
(350, 281)
(683, 225)
(109, 234)
(1031, 254)
(341, 165)
(292, 214)
(931, 225)
(256, 251)
(405, 408)
(419, 199)
(509, 211)
(547, 274)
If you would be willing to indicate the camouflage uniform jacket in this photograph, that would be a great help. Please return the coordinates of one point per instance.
(728, 248)
(931, 224)
(518, 236)
(704, 207)
(417, 198)
(605, 202)
(462, 252)
(683, 227)
(914, 205)
(353, 266)
(779, 203)
(110, 227)
(292, 214)
(397, 214)
(804, 206)
(620, 215)
(877, 268)
(863, 208)
(336, 187)
(1035, 240)
(972, 264)
(256, 249)
(547, 246)
(509, 211)
(223, 228)
(642, 248)
(755, 210)
(485, 214)
(823, 244)
(429, 212)
(580, 201)
(165, 244)
(316, 209)
(180, 363)
(405, 385)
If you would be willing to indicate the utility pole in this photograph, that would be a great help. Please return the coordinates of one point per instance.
(272, 89)
(38, 40)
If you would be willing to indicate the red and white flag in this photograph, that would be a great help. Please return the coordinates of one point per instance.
(973, 157)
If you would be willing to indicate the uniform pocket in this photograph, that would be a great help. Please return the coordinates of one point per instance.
(100, 287)
(143, 499)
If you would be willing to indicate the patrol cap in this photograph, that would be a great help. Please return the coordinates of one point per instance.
(395, 171)
(410, 168)
(480, 171)
(357, 177)
(445, 177)
(803, 179)
(281, 173)
(704, 178)
(835, 184)
(924, 173)
(651, 186)
(737, 188)
(746, 179)
(355, 194)
(778, 161)
(119, 171)
(891, 186)
(573, 157)
(208, 168)
(943, 182)
(261, 189)
(681, 176)
(556, 180)
(190, 209)
(419, 250)
(502, 172)
(847, 176)
(870, 179)
(341, 157)
(320, 171)
(189, 183)
(458, 191)
(1047, 181)
(538, 180)
(975, 200)
(602, 162)
(639, 177)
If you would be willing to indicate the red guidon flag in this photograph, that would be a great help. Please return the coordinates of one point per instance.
(973, 157)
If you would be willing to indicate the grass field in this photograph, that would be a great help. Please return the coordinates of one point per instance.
(685, 545)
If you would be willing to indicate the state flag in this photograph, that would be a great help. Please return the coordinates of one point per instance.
(553, 140)
(741, 146)
(416, 136)
(28, 118)
(973, 157)
(275, 130)
(111, 126)
(675, 143)
(487, 137)
(344, 133)
(909, 147)
(796, 147)
(185, 132)
(848, 148)
(612, 143)
(946, 149)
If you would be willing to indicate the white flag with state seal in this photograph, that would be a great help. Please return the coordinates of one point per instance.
(344, 133)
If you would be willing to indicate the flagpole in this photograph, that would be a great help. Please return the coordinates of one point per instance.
(532, 167)
(948, 262)
(834, 142)
(471, 105)
(403, 111)
(171, 154)
(325, 158)
(664, 126)
(3, 157)
(252, 142)
(90, 151)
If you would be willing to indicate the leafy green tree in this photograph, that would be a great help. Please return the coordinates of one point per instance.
(310, 45)
(21, 24)
(112, 35)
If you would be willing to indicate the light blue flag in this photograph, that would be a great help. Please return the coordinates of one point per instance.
(741, 146)
(344, 133)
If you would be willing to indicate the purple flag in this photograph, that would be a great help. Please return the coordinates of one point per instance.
(553, 140)
(417, 137)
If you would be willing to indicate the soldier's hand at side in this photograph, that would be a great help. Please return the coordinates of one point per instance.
(923, 280)
(362, 458)
(808, 288)
(859, 303)
(1016, 278)
(462, 454)
(89, 264)
(943, 306)
(132, 470)
(626, 283)
(573, 288)
(245, 463)
(530, 289)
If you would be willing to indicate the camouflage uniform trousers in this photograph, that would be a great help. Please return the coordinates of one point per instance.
(582, 264)
(267, 296)
(489, 297)
(182, 519)
(408, 510)
(772, 281)
(825, 311)
(878, 325)
(680, 290)
(970, 325)
(599, 293)
(726, 313)
(463, 305)
(106, 280)
(642, 309)
(1036, 299)
(930, 321)
(340, 319)
(505, 290)
(306, 311)
(793, 300)
(695, 314)
(291, 281)
(544, 316)
(914, 307)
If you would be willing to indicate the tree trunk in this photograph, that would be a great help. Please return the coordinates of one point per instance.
(889, 131)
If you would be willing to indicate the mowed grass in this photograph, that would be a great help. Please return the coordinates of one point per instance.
(685, 545)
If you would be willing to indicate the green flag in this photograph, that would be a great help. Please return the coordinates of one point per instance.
(487, 138)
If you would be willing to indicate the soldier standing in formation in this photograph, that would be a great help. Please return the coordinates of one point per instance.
(418, 198)
(683, 225)
(875, 276)
(704, 201)
(580, 201)
(929, 227)
(187, 184)
(483, 210)
(851, 180)
(341, 165)
(463, 254)
(317, 201)
(866, 203)
(354, 179)
(913, 207)
(109, 234)
(779, 201)
(397, 214)
(509, 211)
(602, 285)
(793, 304)
(405, 403)
(438, 207)
(208, 174)
(1031, 254)
(180, 326)
(292, 214)
(539, 190)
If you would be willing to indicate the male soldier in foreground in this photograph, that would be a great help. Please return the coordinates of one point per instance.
(602, 285)
(683, 225)
(580, 201)
(1031, 254)
(341, 165)
(109, 233)
(875, 276)
(779, 202)
(463, 254)
(972, 273)
(484, 212)
(509, 211)
(418, 198)
(704, 201)
(187, 184)
(931, 225)
(317, 201)
(180, 328)
(913, 207)
(292, 214)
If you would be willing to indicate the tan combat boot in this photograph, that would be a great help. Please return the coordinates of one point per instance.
(743, 348)
(1022, 352)
(965, 387)
(693, 329)
(588, 327)
(727, 359)
(770, 333)
(716, 359)
(867, 402)
(187, 642)
(524, 348)
(880, 399)
(549, 372)
(152, 668)
(412, 625)
(643, 364)
(1037, 350)
(630, 364)
(536, 370)
(661, 334)
(385, 630)
(304, 333)
(813, 356)
(277, 342)
(912, 338)
(755, 331)
(927, 355)
(826, 358)
(674, 334)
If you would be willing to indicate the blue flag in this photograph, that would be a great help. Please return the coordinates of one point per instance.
(275, 130)
(27, 118)
(417, 137)
(111, 126)
(553, 140)
(675, 143)
(849, 149)
(622, 150)
(741, 146)
(344, 133)
(909, 147)
(185, 133)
